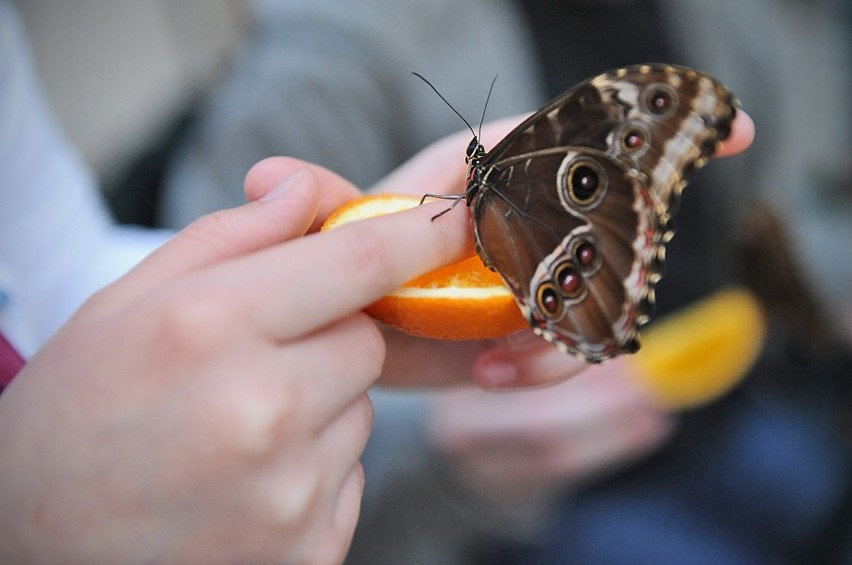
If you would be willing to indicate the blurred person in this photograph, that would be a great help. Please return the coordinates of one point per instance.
(346, 65)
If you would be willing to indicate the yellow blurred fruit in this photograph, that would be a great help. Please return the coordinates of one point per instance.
(698, 354)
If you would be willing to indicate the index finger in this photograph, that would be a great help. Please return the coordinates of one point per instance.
(307, 283)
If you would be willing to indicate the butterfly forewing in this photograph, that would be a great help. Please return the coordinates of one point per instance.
(674, 137)
(674, 119)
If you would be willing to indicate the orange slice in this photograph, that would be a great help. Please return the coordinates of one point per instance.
(701, 352)
(462, 301)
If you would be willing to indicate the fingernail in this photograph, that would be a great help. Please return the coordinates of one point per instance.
(497, 375)
(292, 180)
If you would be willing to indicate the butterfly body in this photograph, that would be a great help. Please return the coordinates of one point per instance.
(573, 208)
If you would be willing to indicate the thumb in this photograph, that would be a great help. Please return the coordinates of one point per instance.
(284, 213)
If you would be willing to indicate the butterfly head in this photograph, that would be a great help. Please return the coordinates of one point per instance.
(474, 156)
(474, 151)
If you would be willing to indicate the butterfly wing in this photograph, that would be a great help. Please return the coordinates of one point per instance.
(582, 260)
(570, 253)
(674, 119)
(664, 121)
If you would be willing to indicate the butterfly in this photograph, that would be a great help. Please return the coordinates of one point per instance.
(574, 207)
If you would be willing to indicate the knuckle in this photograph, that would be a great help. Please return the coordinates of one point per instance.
(365, 417)
(371, 258)
(251, 420)
(193, 324)
(359, 344)
(290, 505)
(371, 343)
(209, 230)
(99, 302)
(369, 414)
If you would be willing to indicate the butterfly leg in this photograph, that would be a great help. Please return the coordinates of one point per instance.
(456, 198)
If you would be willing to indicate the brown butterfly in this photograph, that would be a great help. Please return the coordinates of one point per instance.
(573, 208)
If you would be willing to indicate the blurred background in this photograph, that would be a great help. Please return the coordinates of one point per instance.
(125, 106)
(119, 74)
(171, 101)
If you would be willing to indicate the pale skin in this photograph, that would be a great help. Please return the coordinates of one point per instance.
(210, 406)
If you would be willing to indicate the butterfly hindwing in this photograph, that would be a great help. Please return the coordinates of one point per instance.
(567, 251)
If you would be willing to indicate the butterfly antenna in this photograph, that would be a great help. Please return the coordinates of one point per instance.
(441, 96)
(484, 108)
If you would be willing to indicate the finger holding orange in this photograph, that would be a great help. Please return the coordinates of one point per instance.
(462, 301)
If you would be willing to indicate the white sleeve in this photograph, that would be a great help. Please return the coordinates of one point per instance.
(58, 244)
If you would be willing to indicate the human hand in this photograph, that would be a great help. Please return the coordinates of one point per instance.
(521, 360)
(532, 443)
(210, 405)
